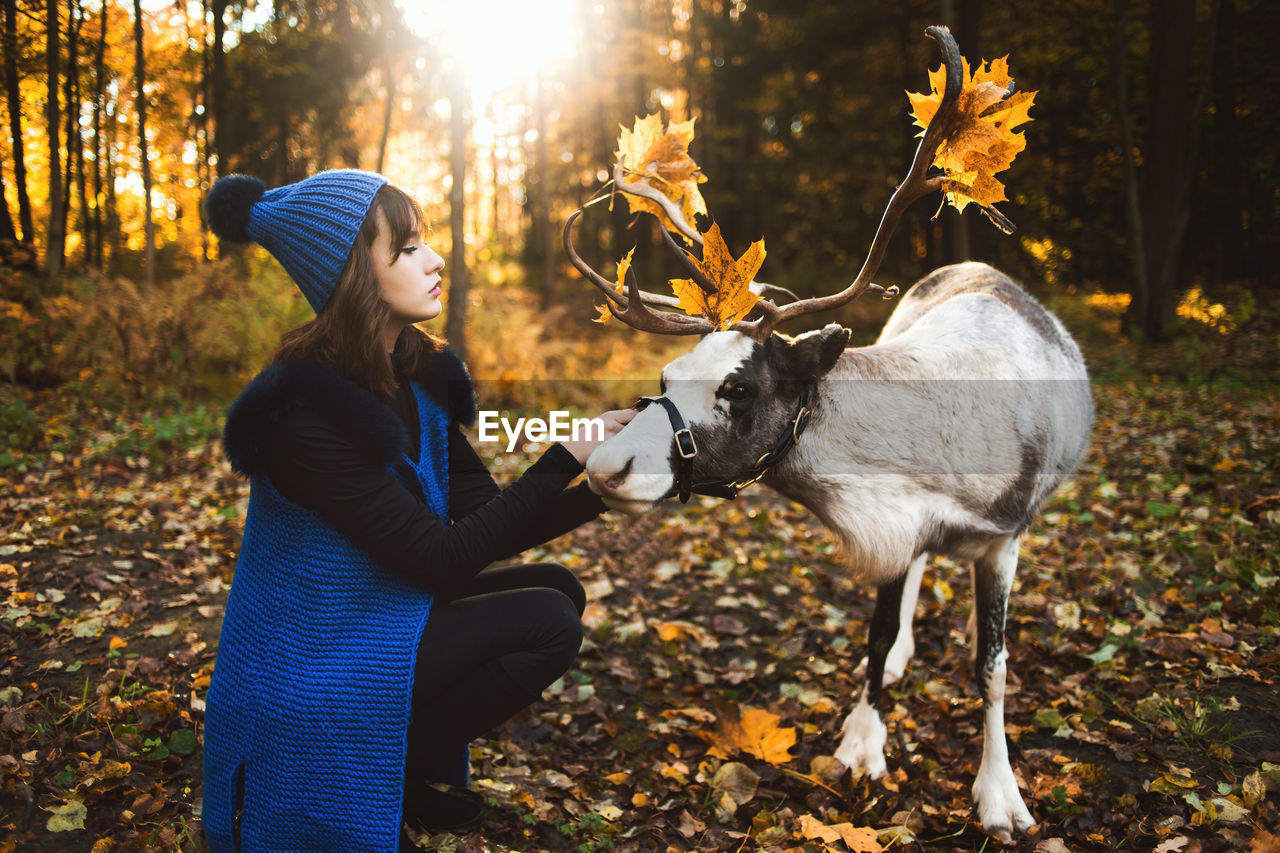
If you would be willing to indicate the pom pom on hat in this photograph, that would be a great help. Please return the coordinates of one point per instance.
(309, 226)
(229, 203)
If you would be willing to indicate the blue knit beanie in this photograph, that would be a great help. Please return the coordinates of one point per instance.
(309, 226)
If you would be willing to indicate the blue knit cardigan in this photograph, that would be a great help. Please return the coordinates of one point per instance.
(308, 711)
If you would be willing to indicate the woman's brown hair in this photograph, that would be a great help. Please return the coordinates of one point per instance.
(346, 336)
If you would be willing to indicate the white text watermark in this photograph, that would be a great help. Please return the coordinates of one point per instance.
(558, 426)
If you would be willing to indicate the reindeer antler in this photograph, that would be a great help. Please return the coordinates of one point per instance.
(914, 186)
(633, 309)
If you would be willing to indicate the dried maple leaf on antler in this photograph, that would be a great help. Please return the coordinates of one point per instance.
(647, 153)
(753, 731)
(983, 141)
(733, 298)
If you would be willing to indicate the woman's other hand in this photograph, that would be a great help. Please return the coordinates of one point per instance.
(613, 421)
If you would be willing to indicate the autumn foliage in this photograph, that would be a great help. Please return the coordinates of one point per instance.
(984, 143)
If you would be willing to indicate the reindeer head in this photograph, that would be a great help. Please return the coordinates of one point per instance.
(742, 403)
(734, 404)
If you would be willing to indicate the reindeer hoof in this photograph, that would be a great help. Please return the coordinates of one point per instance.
(999, 805)
(863, 745)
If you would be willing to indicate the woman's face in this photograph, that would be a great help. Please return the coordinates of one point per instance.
(408, 276)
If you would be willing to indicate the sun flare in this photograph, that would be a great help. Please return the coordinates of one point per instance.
(499, 42)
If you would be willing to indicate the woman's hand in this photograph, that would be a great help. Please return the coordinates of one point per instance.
(613, 421)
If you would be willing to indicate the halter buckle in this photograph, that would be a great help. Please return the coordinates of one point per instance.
(685, 444)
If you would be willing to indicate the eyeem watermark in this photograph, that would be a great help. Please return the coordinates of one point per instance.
(557, 427)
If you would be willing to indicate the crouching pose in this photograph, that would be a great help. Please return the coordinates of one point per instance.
(366, 639)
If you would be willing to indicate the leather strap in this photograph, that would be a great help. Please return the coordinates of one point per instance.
(687, 450)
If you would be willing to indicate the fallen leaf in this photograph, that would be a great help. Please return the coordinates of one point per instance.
(737, 780)
(164, 629)
(755, 732)
(859, 839)
(689, 826)
(67, 817)
(1253, 789)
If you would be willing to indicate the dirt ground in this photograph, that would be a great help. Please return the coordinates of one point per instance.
(1143, 711)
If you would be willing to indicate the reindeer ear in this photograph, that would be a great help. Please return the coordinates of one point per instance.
(812, 354)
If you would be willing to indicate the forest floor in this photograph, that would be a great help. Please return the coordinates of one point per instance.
(722, 642)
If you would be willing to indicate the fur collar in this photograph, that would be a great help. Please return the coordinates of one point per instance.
(286, 385)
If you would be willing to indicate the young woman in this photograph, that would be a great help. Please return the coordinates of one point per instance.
(366, 641)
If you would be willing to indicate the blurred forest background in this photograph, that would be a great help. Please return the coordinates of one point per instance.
(1146, 200)
(1146, 203)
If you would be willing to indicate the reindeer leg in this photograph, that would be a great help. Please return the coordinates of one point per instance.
(895, 664)
(995, 790)
(864, 732)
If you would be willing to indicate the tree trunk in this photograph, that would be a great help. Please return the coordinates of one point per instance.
(218, 87)
(99, 88)
(388, 70)
(7, 231)
(1164, 156)
(110, 207)
(202, 125)
(75, 139)
(542, 229)
(1233, 190)
(1169, 158)
(25, 221)
(140, 74)
(1133, 199)
(71, 106)
(57, 238)
(456, 323)
(282, 151)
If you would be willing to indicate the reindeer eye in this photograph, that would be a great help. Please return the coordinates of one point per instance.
(738, 392)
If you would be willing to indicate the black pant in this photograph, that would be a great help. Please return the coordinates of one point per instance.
(487, 654)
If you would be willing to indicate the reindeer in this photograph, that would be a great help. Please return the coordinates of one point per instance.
(943, 437)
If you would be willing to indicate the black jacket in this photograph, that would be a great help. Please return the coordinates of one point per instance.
(330, 446)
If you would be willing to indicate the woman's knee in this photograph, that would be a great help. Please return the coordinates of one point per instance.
(553, 641)
(561, 630)
(565, 618)
(557, 577)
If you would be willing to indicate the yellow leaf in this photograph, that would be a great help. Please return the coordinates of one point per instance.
(605, 310)
(118, 643)
(646, 152)
(859, 839)
(670, 632)
(1253, 789)
(67, 817)
(755, 732)
(733, 298)
(983, 141)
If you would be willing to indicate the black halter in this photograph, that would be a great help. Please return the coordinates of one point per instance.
(687, 449)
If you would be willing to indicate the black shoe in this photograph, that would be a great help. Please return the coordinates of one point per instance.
(440, 811)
